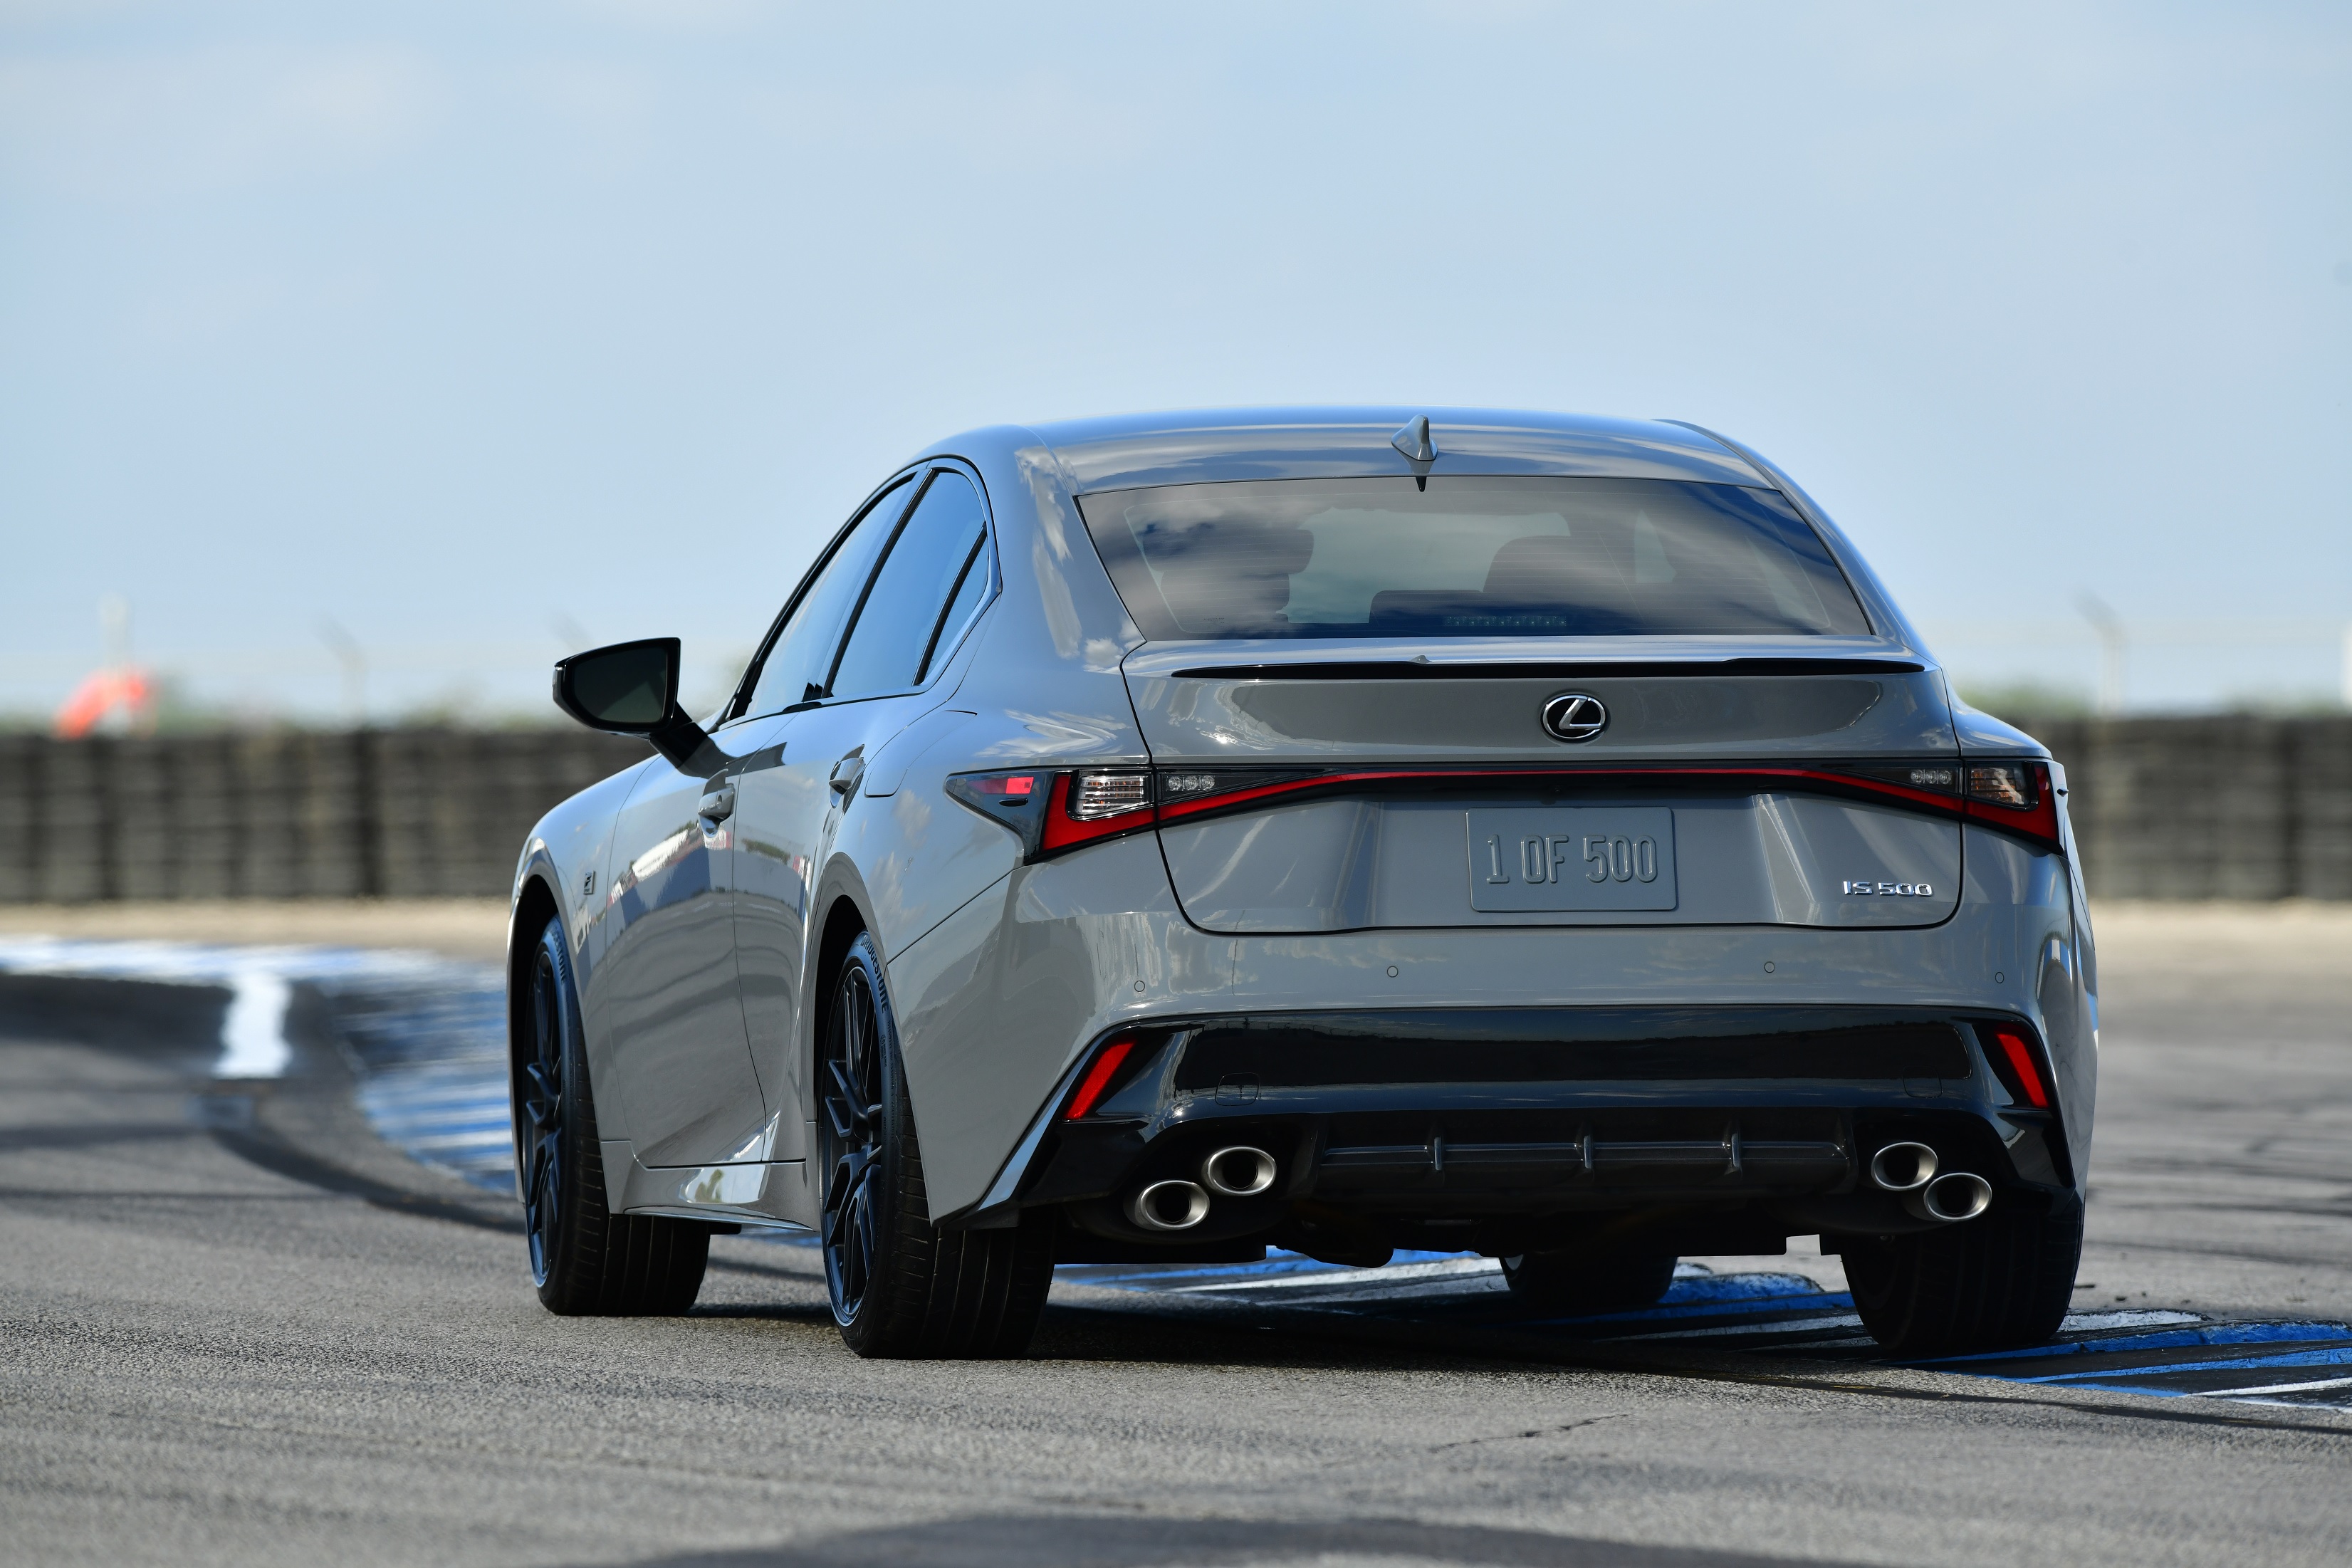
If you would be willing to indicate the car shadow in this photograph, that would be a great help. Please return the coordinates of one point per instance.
(1096, 1541)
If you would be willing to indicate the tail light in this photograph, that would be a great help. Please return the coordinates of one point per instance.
(2017, 1061)
(2015, 797)
(1060, 809)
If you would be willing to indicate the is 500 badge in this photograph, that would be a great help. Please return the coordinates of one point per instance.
(1886, 890)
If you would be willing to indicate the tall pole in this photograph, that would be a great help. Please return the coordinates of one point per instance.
(2110, 631)
(347, 652)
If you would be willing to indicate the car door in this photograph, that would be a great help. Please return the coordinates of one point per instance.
(936, 571)
(678, 1063)
(773, 882)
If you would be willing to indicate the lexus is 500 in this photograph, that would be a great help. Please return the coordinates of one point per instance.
(1162, 838)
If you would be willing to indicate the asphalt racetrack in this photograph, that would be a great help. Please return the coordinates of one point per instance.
(286, 1319)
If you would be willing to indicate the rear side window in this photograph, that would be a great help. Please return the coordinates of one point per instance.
(899, 627)
(796, 665)
(1470, 556)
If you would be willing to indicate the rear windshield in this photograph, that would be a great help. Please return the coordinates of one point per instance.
(1470, 556)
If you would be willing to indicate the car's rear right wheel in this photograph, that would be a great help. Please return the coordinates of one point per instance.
(2002, 1281)
(1575, 1283)
(901, 1286)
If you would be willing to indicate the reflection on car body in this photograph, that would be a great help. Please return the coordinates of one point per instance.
(1165, 837)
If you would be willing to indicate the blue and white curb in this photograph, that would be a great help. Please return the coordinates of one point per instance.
(426, 1035)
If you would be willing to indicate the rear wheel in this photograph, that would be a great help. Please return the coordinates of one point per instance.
(587, 1261)
(1999, 1282)
(899, 1286)
(1577, 1282)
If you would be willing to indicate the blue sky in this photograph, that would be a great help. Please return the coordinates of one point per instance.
(480, 329)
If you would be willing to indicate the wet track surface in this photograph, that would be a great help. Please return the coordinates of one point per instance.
(241, 1323)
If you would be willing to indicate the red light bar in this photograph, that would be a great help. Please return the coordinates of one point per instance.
(1249, 788)
(1098, 1079)
(1934, 787)
(1068, 808)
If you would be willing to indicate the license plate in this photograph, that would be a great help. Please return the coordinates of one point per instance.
(1566, 857)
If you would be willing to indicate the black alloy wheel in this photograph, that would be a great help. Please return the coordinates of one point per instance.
(900, 1285)
(538, 1108)
(587, 1261)
(850, 1141)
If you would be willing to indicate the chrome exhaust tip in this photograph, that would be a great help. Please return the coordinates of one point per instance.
(1903, 1167)
(1239, 1171)
(1951, 1197)
(1168, 1205)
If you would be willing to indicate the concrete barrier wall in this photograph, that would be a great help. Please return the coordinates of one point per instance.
(422, 812)
(2224, 807)
(2231, 806)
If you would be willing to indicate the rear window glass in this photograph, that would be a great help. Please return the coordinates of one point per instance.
(1469, 556)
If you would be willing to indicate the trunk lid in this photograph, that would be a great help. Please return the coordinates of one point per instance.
(1334, 786)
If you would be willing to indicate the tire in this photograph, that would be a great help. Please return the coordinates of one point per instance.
(1577, 1283)
(899, 1286)
(2002, 1281)
(586, 1262)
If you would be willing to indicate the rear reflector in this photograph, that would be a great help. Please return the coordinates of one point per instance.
(1098, 1079)
(2019, 1065)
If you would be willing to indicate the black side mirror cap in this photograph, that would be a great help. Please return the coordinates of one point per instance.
(631, 689)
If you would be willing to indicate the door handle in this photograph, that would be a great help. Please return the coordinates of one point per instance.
(846, 775)
(718, 805)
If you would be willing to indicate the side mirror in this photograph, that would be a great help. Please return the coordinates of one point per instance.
(631, 689)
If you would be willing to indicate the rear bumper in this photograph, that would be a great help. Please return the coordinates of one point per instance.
(1718, 1129)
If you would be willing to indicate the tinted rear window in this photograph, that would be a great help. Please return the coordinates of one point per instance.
(1470, 556)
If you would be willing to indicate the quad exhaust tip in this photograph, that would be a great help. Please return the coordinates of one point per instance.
(1168, 1205)
(1903, 1167)
(1956, 1196)
(1908, 1170)
(1238, 1172)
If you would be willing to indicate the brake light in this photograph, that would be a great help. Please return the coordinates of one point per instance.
(1098, 1079)
(2024, 1075)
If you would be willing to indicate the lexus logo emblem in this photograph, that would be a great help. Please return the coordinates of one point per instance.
(1575, 716)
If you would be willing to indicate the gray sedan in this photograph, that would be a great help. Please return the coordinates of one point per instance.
(1163, 838)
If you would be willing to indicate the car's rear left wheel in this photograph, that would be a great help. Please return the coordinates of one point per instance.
(587, 1261)
(2002, 1281)
(901, 1286)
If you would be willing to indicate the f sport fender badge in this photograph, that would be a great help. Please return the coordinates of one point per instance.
(1574, 716)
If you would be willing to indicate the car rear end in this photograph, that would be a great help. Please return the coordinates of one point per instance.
(1604, 870)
